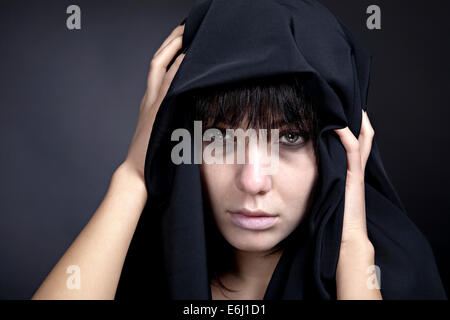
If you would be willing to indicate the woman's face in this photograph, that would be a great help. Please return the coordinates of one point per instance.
(255, 211)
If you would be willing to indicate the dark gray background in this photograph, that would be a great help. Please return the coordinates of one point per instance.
(70, 99)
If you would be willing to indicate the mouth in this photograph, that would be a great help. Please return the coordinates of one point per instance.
(253, 220)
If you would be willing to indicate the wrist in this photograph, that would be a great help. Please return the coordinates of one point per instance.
(128, 180)
(357, 254)
(355, 271)
(360, 246)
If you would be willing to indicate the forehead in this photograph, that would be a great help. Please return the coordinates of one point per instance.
(278, 103)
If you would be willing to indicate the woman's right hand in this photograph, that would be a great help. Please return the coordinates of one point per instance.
(158, 83)
(100, 249)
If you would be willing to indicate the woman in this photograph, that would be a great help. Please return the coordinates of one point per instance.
(256, 212)
(331, 214)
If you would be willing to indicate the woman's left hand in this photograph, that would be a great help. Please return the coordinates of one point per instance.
(355, 275)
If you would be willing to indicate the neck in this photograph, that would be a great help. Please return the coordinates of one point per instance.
(250, 277)
(255, 266)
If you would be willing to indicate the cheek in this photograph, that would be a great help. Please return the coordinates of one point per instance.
(218, 180)
(295, 182)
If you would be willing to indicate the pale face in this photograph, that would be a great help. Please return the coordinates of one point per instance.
(282, 196)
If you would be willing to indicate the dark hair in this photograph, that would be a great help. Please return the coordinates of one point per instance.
(264, 103)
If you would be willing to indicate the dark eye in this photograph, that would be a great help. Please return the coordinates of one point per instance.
(220, 134)
(225, 135)
(291, 138)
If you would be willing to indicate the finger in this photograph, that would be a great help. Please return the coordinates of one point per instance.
(365, 139)
(166, 55)
(158, 67)
(354, 223)
(168, 52)
(179, 30)
(169, 76)
(174, 68)
(352, 147)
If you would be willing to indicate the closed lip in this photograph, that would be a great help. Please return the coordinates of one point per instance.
(253, 213)
(253, 219)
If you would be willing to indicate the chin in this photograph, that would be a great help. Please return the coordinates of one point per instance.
(253, 241)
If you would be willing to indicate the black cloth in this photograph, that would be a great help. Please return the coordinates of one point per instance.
(228, 41)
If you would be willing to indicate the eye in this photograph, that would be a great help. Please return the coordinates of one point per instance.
(291, 138)
(227, 135)
(220, 134)
(223, 135)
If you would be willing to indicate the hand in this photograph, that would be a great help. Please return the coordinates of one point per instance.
(356, 252)
(158, 83)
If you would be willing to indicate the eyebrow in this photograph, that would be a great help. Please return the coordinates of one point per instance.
(278, 123)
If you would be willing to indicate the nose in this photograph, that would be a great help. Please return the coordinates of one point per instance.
(251, 178)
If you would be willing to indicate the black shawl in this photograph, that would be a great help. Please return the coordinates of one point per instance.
(228, 41)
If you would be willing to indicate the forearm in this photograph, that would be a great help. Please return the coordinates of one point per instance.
(100, 249)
